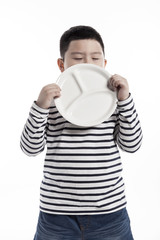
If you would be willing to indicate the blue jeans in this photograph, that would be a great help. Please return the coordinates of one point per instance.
(112, 226)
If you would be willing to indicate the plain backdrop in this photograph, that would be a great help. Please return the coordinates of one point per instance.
(29, 47)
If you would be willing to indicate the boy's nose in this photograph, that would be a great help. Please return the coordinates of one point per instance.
(87, 60)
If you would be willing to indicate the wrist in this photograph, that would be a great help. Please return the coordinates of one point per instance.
(123, 98)
(41, 105)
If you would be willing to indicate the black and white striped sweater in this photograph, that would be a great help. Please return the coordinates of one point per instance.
(82, 169)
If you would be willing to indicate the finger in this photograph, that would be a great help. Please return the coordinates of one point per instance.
(110, 85)
(57, 94)
(56, 87)
(117, 81)
(113, 82)
(52, 86)
(53, 91)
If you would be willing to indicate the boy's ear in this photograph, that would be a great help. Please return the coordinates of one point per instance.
(105, 62)
(60, 64)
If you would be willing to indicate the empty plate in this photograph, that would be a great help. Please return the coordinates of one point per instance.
(85, 98)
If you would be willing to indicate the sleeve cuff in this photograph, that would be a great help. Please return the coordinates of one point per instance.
(39, 112)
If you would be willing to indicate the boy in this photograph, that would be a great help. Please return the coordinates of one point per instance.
(82, 192)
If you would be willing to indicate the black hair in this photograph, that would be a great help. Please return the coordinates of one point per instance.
(78, 33)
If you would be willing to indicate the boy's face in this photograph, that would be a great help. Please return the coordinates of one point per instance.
(83, 51)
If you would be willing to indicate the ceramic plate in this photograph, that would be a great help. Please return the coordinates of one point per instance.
(85, 98)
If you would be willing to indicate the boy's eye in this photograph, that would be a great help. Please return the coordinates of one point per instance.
(78, 59)
(95, 59)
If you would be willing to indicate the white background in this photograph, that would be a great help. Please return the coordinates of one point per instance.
(29, 48)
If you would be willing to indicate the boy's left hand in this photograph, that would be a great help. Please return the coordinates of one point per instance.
(119, 84)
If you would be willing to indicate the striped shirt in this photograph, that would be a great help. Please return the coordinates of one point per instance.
(82, 168)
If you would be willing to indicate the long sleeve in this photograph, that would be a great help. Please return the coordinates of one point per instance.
(128, 131)
(34, 133)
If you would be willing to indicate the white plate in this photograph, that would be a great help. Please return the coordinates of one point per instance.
(85, 98)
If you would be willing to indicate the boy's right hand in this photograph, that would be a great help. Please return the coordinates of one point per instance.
(47, 94)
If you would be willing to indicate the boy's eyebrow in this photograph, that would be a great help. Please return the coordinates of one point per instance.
(96, 53)
(73, 53)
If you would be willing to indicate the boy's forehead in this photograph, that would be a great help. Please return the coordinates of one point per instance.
(79, 46)
(75, 53)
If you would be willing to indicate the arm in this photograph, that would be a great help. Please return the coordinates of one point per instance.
(128, 133)
(33, 137)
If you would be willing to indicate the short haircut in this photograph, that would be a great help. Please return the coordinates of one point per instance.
(78, 33)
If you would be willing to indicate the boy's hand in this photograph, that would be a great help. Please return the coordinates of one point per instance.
(119, 84)
(47, 94)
